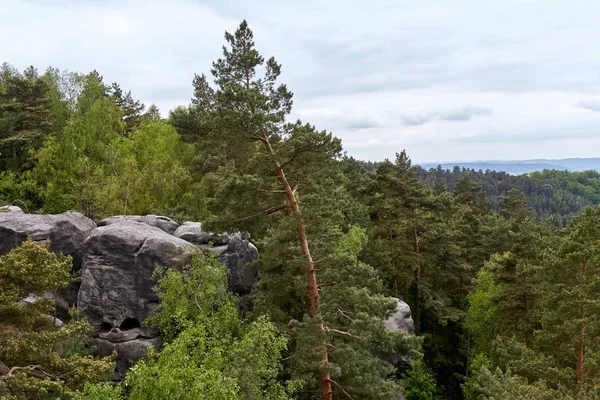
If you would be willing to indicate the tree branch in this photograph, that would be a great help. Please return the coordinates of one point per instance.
(345, 315)
(341, 388)
(297, 152)
(14, 369)
(268, 211)
(328, 329)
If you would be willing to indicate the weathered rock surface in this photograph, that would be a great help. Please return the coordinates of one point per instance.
(10, 209)
(117, 259)
(116, 278)
(401, 319)
(127, 352)
(161, 222)
(236, 257)
(193, 233)
(66, 233)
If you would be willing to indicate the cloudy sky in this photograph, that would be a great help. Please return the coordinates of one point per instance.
(445, 80)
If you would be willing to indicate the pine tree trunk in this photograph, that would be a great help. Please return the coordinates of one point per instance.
(312, 303)
(581, 334)
(417, 312)
(393, 269)
(581, 352)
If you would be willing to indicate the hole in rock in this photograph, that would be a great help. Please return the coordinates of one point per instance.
(105, 327)
(129, 323)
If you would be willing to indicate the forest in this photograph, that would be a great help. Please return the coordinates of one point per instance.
(501, 272)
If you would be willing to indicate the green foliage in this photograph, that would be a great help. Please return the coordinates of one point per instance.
(419, 383)
(94, 168)
(20, 190)
(551, 194)
(25, 117)
(211, 353)
(45, 362)
(100, 391)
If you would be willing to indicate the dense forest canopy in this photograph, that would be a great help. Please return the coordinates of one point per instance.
(501, 272)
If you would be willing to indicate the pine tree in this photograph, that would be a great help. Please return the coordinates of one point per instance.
(260, 165)
(25, 118)
(570, 329)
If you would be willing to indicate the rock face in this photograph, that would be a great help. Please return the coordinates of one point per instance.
(117, 287)
(164, 223)
(193, 233)
(238, 254)
(66, 233)
(401, 319)
(116, 279)
(117, 259)
(10, 209)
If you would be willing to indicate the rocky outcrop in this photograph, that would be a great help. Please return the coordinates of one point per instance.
(117, 259)
(66, 233)
(193, 233)
(401, 319)
(236, 257)
(116, 279)
(164, 223)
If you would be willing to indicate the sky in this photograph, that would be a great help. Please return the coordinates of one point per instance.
(447, 80)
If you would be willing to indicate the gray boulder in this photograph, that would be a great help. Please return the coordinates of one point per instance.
(236, 257)
(193, 233)
(66, 232)
(117, 283)
(401, 319)
(10, 209)
(164, 223)
(128, 352)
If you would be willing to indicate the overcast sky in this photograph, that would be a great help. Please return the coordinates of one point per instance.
(445, 80)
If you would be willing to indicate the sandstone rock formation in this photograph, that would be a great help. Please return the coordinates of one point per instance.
(401, 319)
(66, 233)
(164, 223)
(117, 260)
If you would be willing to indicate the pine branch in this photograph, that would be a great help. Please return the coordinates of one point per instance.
(345, 315)
(267, 211)
(328, 329)
(14, 369)
(341, 388)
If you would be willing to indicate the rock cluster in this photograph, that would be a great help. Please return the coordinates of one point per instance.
(117, 259)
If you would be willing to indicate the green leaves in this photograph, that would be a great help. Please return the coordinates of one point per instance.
(210, 353)
(48, 362)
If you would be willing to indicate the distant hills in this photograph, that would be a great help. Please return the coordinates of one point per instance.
(523, 166)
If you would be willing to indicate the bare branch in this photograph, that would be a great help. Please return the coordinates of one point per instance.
(268, 211)
(345, 315)
(328, 329)
(14, 369)
(341, 388)
(271, 191)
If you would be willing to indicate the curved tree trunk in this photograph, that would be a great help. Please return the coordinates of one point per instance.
(312, 304)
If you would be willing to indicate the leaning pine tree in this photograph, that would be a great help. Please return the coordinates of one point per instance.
(257, 168)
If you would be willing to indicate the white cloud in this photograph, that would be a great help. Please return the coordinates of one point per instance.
(383, 75)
